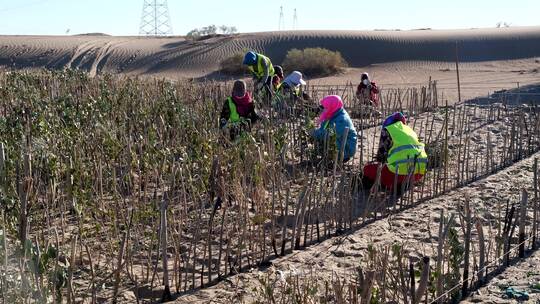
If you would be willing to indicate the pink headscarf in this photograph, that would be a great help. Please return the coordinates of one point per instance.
(331, 105)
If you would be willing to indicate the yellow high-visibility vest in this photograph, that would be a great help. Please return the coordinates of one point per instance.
(260, 71)
(234, 117)
(406, 150)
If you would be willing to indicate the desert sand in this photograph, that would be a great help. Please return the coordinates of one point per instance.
(417, 228)
(524, 277)
(490, 58)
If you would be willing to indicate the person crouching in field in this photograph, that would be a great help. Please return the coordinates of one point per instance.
(367, 91)
(288, 93)
(292, 86)
(278, 77)
(238, 113)
(334, 117)
(262, 71)
(400, 151)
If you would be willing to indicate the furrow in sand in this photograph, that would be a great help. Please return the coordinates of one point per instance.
(359, 48)
(416, 228)
(481, 124)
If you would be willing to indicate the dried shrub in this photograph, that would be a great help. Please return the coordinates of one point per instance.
(315, 61)
(233, 65)
(437, 154)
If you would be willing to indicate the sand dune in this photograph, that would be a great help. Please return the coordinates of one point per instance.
(175, 56)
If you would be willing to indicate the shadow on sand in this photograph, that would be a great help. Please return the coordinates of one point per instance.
(528, 95)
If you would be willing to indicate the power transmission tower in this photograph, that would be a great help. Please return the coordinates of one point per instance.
(295, 20)
(281, 19)
(155, 20)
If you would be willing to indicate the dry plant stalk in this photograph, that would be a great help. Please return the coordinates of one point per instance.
(90, 164)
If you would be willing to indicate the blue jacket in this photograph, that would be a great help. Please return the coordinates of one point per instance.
(339, 122)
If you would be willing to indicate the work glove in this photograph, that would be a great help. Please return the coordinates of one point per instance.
(222, 124)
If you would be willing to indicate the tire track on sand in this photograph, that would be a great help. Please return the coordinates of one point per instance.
(103, 54)
(80, 52)
(102, 49)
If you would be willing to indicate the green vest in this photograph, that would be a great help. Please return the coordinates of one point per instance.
(234, 117)
(260, 72)
(405, 148)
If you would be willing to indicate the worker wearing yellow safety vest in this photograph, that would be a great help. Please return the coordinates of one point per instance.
(238, 113)
(292, 86)
(261, 69)
(289, 96)
(401, 152)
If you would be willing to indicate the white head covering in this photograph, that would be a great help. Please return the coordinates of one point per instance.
(295, 79)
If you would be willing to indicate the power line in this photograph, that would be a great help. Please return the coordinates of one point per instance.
(155, 19)
(295, 20)
(281, 25)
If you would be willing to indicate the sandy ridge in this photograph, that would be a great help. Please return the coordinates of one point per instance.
(139, 55)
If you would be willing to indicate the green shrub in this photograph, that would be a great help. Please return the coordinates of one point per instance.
(315, 61)
(233, 65)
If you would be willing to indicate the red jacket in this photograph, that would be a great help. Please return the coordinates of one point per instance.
(374, 93)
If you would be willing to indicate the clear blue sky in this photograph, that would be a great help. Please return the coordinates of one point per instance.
(121, 17)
